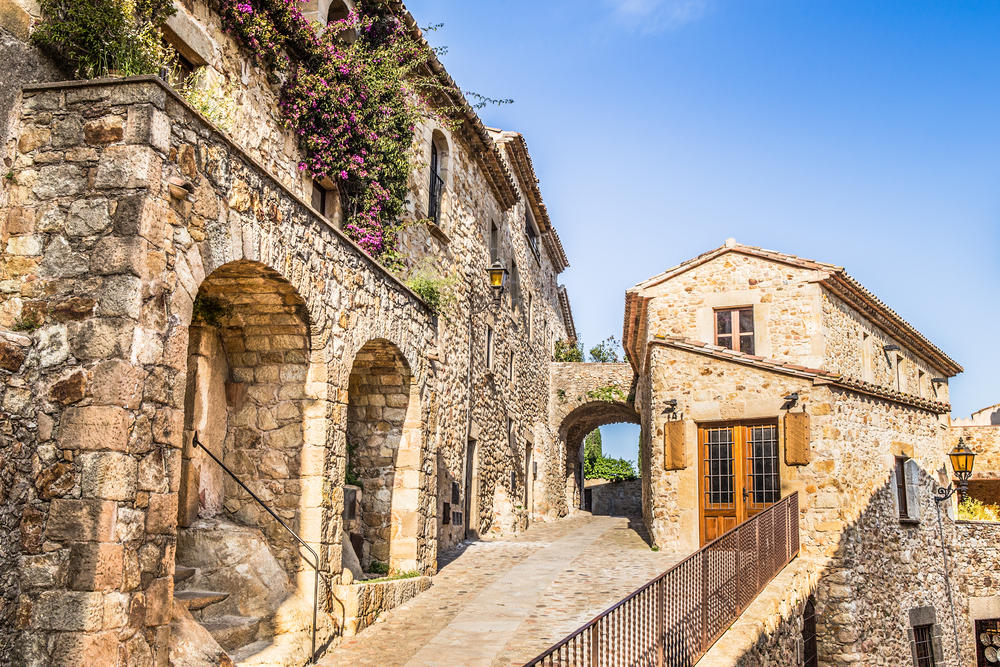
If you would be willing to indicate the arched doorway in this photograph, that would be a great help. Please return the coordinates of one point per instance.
(574, 429)
(384, 450)
(254, 385)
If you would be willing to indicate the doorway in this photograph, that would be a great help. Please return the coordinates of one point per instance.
(738, 474)
(471, 491)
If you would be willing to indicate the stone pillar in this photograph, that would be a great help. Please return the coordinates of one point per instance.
(86, 271)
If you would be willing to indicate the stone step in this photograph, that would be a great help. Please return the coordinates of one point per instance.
(249, 650)
(195, 600)
(233, 632)
(182, 572)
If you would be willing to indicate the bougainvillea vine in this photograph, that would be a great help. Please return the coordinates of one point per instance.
(354, 107)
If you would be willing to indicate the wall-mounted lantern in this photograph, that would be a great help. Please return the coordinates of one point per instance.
(498, 280)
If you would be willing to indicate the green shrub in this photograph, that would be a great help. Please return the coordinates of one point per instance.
(214, 100)
(437, 292)
(606, 352)
(97, 37)
(408, 574)
(597, 466)
(27, 324)
(378, 567)
(971, 509)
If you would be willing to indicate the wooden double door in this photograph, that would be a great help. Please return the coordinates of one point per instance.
(739, 473)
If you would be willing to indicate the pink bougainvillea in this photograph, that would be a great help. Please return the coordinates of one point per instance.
(353, 107)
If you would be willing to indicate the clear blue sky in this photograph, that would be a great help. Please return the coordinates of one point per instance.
(861, 133)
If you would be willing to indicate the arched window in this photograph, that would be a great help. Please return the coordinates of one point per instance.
(338, 11)
(810, 656)
(438, 175)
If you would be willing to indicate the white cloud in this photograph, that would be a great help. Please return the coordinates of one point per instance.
(656, 15)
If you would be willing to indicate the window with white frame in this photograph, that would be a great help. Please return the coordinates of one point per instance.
(489, 348)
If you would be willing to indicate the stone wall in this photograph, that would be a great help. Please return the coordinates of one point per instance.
(985, 442)
(362, 603)
(615, 498)
(107, 260)
(786, 301)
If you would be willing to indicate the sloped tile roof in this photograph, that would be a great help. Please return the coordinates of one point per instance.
(835, 279)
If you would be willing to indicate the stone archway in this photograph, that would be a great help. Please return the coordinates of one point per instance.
(249, 400)
(574, 429)
(384, 445)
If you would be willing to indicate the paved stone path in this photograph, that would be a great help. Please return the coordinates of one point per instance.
(503, 602)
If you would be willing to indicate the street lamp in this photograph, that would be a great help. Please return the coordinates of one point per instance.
(962, 461)
(498, 280)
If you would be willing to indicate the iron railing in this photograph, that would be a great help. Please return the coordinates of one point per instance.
(315, 556)
(674, 619)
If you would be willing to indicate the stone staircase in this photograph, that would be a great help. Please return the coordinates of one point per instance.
(233, 601)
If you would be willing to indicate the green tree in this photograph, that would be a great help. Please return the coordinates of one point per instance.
(613, 470)
(606, 352)
(567, 350)
(593, 444)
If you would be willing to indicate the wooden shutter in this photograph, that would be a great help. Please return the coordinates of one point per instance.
(796, 438)
(673, 445)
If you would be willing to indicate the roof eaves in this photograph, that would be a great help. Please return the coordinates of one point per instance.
(818, 375)
(492, 162)
(567, 312)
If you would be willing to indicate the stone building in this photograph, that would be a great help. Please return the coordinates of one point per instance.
(186, 300)
(760, 374)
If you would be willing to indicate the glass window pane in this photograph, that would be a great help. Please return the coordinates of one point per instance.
(723, 322)
(746, 344)
(746, 320)
(725, 341)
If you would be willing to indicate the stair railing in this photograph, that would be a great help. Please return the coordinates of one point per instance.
(315, 561)
(674, 619)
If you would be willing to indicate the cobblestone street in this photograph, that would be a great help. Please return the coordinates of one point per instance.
(503, 602)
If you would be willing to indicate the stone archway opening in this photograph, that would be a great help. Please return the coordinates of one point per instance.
(384, 449)
(575, 427)
(249, 401)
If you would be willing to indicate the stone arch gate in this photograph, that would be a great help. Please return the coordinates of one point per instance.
(583, 397)
(112, 277)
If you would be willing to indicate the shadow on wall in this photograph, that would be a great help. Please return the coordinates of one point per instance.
(885, 577)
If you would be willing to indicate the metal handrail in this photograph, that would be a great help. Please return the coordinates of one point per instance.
(314, 564)
(646, 628)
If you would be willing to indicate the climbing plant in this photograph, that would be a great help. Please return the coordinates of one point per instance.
(93, 38)
(353, 107)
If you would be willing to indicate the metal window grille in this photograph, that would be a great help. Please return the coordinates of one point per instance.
(719, 471)
(762, 472)
(810, 653)
(436, 187)
(924, 645)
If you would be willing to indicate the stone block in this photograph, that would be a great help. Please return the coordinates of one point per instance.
(126, 166)
(96, 566)
(161, 515)
(73, 649)
(68, 611)
(43, 570)
(113, 254)
(88, 217)
(55, 481)
(109, 475)
(106, 130)
(14, 18)
(62, 260)
(81, 520)
(101, 339)
(120, 296)
(63, 180)
(69, 390)
(117, 383)
(12, 356)
(95, 427)
(158, 601)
